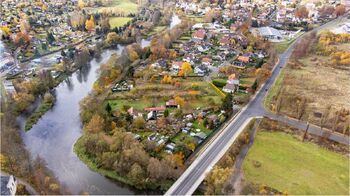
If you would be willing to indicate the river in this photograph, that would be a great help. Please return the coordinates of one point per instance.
(55, 134)
(53, 137)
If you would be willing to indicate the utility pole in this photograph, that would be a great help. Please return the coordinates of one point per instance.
(307, 128)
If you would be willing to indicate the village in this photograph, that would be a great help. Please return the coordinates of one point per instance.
(180, 105)
(174, 73)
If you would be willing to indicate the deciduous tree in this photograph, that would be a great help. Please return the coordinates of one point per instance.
(95, 125)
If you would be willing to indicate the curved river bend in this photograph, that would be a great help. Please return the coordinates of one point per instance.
(55, 134)
(53, 137)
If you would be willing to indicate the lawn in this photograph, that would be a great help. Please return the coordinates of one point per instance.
(137, 104)
(118, 21)
(156, 30)
(274, 89)
(125, 5)
(119, 6)
(247, 82)
(289, 165)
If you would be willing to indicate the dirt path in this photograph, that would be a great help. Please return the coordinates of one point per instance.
(236, 180)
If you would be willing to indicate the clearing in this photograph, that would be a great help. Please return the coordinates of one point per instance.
(118, 21)
(298, 168)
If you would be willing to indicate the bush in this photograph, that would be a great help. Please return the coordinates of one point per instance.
(219, 83)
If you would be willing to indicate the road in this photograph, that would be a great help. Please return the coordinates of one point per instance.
(196, 172)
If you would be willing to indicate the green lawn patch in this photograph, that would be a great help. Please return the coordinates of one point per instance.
(200, 126)
(125, 5)
(136, 104)
(288, 164)
(274, 89)
(118, 21)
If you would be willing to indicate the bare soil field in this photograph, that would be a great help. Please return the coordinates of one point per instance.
(317, 92)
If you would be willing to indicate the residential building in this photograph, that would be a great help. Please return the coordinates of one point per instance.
(8, 185)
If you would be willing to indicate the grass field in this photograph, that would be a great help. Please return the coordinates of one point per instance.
(118, 21)
(117, 6)
(125, 5)
(299, 168)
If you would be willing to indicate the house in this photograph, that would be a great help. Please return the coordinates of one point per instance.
(154, 112)
(243, 59)
(270, 33)
(134, 113)
(170, 148)
(224, 41)
(281, 15)
(200, 137)
(207, 61)
(199, 71)
(233, 79)
(9, 88)
(176, 66)
(199, 35)
(8, 185)
(171, 104)
(137, 137)
(229, 88)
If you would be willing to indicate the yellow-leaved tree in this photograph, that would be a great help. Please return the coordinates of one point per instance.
(186, 68)
(90, 24)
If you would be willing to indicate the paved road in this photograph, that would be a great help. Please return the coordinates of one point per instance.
(195, 173)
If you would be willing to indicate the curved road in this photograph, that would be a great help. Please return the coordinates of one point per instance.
(195, 173)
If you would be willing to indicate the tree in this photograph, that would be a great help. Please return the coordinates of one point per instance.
(90, 24)
(186, 68)
(137, 176)
(327, 10)
(154, 169)
(50, 37)
(179, 100)
(112, 39)
(21, 39)
(301, 12)
(139, 122)
(216, 179)
(95, 125)
(6, 32)
(227, 103)
(262, 73)
(105, 26)
(77, 20)
(23, 100)
(24, 25)
(167, 79)
(166, 113)
(339, 10)
(81, 4)
(44, 7)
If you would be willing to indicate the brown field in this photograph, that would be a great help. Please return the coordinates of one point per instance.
(323, 86)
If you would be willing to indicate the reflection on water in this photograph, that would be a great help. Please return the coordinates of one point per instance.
(53, 137)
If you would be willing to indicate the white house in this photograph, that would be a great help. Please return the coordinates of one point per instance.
(8, 185)
(229, 88)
